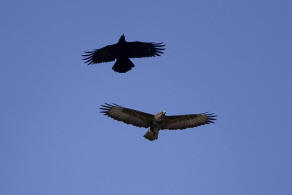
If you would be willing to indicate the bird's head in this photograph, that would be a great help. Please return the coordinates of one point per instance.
(122, 38)
(159, 116)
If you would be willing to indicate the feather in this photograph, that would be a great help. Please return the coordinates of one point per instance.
(187, 121)
(127, 115)
(105, 54)
(140, 49)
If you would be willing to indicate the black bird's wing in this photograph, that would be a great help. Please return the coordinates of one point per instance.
(138, 49)
(187, 121)
(105, 54)
(127, 115)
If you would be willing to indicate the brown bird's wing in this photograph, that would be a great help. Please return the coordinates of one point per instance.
(138, 49)
(105, 54)
(187, 121)
(127, 115)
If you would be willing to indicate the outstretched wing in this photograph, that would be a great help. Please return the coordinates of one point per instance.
(127, 115)
(187, 121)
(105, 54)
(138, 49)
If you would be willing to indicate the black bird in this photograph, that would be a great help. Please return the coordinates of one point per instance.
(122, 51)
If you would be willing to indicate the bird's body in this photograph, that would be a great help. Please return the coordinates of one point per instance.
(157, 122)
(121, 52)
(155, 126)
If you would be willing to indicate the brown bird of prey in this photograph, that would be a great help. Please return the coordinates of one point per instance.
(156, 122)
(122, 51)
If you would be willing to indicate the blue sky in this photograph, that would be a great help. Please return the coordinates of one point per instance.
(232, 58)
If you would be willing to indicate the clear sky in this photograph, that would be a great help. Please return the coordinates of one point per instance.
(232, 58)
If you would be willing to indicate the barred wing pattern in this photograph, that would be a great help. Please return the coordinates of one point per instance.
(127, 115)
(187, 121)
(139, 49)
(105, 54)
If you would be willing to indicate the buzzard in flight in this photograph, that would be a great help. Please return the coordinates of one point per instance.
(122, 51)
(155, 122)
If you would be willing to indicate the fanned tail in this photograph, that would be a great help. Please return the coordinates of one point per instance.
(123, 65)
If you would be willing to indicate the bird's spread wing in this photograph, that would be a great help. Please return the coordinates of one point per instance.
(138, 49)
(126, 115)
(187, 121)
(104, 54)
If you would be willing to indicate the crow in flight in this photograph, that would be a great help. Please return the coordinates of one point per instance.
(122, 51)
(156, 122)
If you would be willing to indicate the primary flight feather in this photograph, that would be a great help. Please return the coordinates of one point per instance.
(157, 122)
(121, 52)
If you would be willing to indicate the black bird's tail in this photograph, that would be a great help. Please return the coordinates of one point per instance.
(123, 65)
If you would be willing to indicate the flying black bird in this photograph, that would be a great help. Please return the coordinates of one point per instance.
(122, 51)
(156, 122)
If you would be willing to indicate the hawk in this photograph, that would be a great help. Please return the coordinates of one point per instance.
(122, 51)
(157, 122)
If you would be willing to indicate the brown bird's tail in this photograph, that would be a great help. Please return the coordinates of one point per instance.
(151, 135)
(123, 65)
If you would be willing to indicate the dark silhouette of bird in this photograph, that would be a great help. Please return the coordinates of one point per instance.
(157, 122)
(122, 51)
